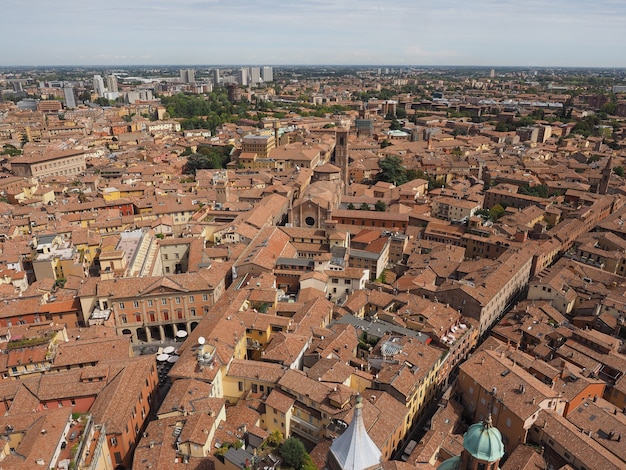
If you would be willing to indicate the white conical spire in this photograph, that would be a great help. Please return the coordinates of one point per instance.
(354, 449)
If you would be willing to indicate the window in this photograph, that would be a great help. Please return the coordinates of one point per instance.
(178, 300)
(60, 403)
(205, 297)
(508, 422)
(163, 301)
(117, 455)
(149, 303)
(152, 317)
(121, 305)
(240, 386)
(123, 319)
(192, 312)
(136, 303)
(138, 317)
(191, 299)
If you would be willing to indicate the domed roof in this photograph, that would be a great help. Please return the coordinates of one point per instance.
(484, 442)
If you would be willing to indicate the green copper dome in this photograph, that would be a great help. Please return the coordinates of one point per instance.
(484, 442)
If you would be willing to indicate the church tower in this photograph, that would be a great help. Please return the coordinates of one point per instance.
(220, 182)
(603, 186)
(341, 155)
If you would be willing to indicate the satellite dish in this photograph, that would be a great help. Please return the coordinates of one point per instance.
(201, 340)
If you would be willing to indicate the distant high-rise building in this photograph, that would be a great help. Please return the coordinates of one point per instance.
(255, 75)
(234, 92)
(492, 73)
(216, 77)
(112, 83)
(70, 98)
(98, 85)
(187, 75)
(131, 96)
(243, 76)
(268, 74)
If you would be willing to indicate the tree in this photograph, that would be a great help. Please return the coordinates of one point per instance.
(364, 207)
(84, 96)
(102, 101)
(10, 150)
(619, 171)
(392, 170)
(502, 127)
(274, 438)
(293, 453)
(380, 206)
(207, 158)
(496, 212)
(482, 213)
(609, 108)
(350, 207)
(539, 190)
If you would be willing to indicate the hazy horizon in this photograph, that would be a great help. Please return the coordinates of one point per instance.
(474, 33)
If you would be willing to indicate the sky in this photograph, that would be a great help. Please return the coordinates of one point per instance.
(531, 33)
